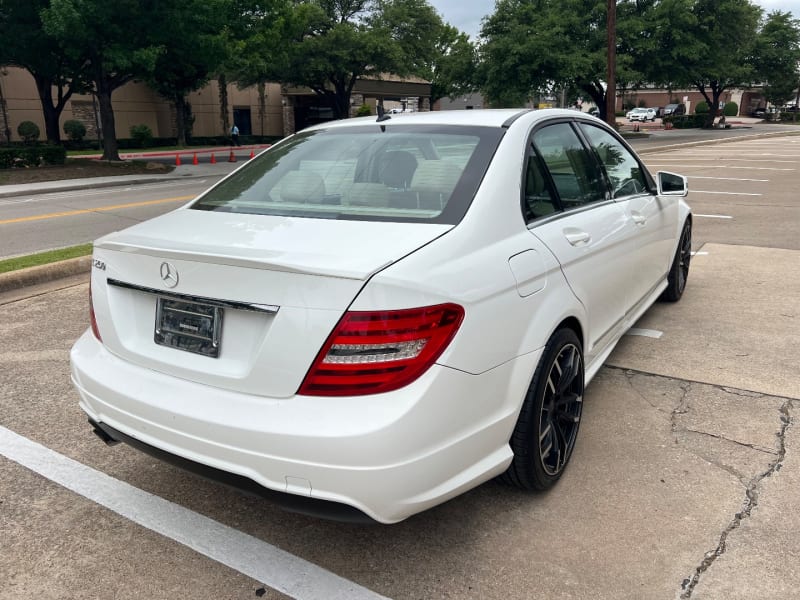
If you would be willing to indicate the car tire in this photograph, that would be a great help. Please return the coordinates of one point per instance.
(679, 271)
(548, 423)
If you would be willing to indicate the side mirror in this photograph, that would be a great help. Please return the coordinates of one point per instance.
(671, 184)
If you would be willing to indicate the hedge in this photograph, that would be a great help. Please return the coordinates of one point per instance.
(686, 121)
(32, 156)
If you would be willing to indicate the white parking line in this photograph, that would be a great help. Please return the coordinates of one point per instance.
(712, 216)
(724, 178)
(718, 166)
(767, 160)
(651, 333)
(699, 253)
(250, 556)
(726, 193)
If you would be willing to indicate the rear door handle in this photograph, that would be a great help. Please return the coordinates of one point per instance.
(576, 236)
(638, 218)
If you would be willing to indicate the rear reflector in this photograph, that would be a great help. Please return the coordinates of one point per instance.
(375, 352)
(92, 318)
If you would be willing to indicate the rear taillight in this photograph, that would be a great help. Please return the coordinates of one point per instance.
(92, 318)
(380, 351)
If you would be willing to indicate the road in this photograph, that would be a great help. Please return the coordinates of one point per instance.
(36, 222)
(683, 482)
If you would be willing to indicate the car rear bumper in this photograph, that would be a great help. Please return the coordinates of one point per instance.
(388, 456)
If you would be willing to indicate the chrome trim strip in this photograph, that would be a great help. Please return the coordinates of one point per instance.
(270, 309)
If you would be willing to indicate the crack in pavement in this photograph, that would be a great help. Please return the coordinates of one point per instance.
(737, 442)
(750, 502)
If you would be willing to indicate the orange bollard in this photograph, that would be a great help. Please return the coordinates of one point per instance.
(252, 154)
(232, 157)
(213, 159)
(194, 159)
(177, 160)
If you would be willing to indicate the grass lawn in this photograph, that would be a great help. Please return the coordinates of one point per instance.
(43, 258)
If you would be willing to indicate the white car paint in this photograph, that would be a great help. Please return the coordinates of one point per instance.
(390, 454)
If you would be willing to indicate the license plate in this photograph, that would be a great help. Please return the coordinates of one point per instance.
(189, 326)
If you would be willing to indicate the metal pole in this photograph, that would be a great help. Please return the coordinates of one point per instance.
(611, 83)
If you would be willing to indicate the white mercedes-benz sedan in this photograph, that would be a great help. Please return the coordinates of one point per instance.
(374, 316)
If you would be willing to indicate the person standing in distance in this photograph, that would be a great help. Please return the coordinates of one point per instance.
(234, 135)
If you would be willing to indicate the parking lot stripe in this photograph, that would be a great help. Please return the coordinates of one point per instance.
(244, 553)
(717, 166)
(712, 216)
(726, 193)
(724, 178)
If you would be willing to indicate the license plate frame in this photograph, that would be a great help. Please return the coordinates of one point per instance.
(189, 326)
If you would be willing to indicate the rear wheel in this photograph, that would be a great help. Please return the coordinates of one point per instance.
(679, 271)
(545, 434)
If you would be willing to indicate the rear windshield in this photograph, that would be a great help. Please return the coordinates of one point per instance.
(383, 173)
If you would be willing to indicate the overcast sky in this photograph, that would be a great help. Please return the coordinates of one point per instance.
(467, 14)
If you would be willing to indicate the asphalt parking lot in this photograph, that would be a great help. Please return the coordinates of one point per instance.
(683, 483)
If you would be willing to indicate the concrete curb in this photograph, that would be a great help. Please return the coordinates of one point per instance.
(14, 280)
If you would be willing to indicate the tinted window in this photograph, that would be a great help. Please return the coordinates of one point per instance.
(575, 174)
(398, 173)
(538, 200)
(624, 171)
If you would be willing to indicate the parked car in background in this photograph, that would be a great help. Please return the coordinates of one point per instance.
(594, 111)
(674, 110)
(642, 114)
(372, 317)
(659, 112)
(759, 112)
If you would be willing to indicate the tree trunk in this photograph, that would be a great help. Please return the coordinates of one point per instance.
(50, 111)
(223, 104)
(180, 118)
(104, 91)
(262, 104)
(6, 131)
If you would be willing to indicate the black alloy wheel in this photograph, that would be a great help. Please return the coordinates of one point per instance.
(679, 272)
(547, 428)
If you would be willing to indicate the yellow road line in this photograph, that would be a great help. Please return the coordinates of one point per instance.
(85, 211)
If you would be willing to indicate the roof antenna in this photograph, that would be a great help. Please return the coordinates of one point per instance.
(382, 116)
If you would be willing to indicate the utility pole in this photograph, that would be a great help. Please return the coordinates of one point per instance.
(611, 79)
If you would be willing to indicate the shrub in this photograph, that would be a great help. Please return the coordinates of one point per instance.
(701, 108)
(32, 156)
(142, 135)
(75, 130)
(364, 111)
(642, 104)
(731, 109)
(28, 131)
(686, 121)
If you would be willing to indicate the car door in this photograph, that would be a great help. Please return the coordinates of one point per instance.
(585, 229)
(652, 218)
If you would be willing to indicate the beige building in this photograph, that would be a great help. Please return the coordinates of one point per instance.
(135, 103)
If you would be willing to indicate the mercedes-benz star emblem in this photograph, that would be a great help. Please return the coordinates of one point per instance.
(169, 275)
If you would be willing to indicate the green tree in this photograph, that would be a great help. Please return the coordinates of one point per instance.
(538, 46)
(31, 48)
(723, 37)
(193, 48)
(777, 56)
(452, 71)
(117, 41)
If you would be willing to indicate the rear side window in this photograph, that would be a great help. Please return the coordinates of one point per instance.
(624, 171)
(394, 172)
(574, 172)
